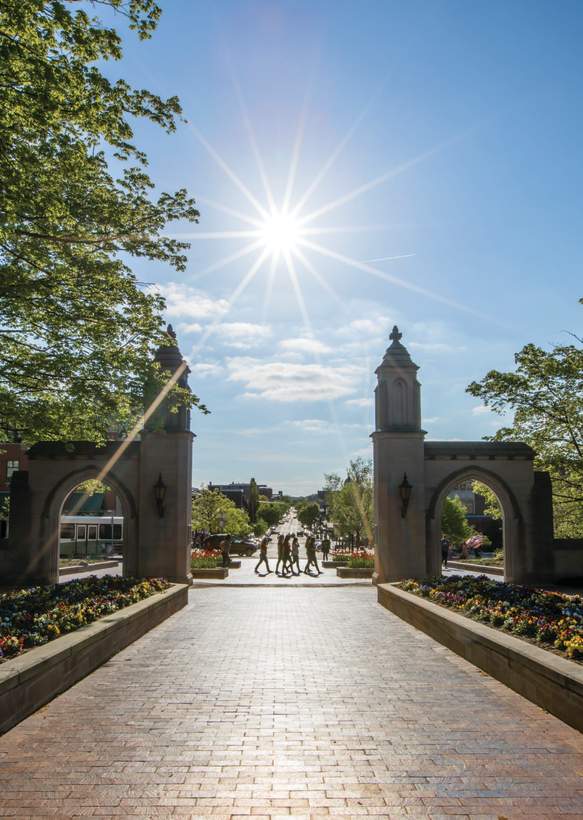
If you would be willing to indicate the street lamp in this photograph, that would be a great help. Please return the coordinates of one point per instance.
(160, 495)
(405, 493)
(222, 521)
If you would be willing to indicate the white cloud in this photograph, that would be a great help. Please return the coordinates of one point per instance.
(304, 345)
(206, 369)
(189, 327)
(436, 347)
(185, 302)
(369, 326)
(323, 426)
(283, 381)
(242, 334)
(360, 402)
(480, 410)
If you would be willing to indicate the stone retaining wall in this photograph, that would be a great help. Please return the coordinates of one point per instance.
(30, 680)
(552, 682)
(354, 572)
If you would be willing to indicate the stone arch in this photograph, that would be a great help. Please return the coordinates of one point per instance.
(53, 505)
(513, 519)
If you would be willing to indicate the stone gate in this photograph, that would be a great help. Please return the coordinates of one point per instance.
(412, 477)
(151, 474)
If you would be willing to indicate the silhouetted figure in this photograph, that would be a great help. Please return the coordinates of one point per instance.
(263, 555)
(325, 548)
(287, 563)
(279, 554)
(444, 550)
(226, 550)
(295, 553)
(311, 555)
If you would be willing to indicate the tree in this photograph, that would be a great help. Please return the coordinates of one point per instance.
(213, 512)
(308, 514)
(77, 331)
(253, 500)
(492, 506)
(545, 394)
(272, 512)
(454, 524)
(350, 503)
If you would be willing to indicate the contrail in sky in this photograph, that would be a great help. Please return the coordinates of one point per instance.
(390, 258)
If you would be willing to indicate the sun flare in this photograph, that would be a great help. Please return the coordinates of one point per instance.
(280, 233)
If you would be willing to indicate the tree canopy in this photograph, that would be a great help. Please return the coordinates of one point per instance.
(77, 331)
(454, 523)
(272, 511)
(492, 506)
(350, 502)
(213, 512)
(545, 394)
(308, 514)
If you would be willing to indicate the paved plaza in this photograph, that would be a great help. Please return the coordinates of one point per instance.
(294, 701)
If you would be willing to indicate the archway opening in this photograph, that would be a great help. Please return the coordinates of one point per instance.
(472, 524)
(92, 529)
(476, 513)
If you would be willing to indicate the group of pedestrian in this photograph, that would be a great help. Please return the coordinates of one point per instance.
(288, 556)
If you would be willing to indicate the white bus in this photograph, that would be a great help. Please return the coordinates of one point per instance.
(90, 535)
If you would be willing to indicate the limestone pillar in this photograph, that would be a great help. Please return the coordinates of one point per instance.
(398, 448)
(165, 499)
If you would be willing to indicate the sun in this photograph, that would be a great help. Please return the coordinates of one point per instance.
(280, 233)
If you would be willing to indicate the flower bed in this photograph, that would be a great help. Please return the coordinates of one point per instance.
(355, 559)
(34, 616)
(206, 559)
(552, 619)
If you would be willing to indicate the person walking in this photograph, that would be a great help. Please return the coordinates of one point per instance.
(263, 556)
(295, 552)
(325, 548)
(279, 554)
(226, 550)
(444, 550)
(287, 568)
(311, 556)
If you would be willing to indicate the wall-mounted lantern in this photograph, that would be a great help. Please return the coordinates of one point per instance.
(160, 495)
(405, 493)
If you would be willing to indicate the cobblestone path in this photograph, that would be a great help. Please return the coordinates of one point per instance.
(294, 701)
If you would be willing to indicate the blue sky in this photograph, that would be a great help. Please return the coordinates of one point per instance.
(472, 116)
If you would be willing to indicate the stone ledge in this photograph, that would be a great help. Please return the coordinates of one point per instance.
(482, 568)
(30, 680)
(75, 568)
(552, 682)
(354, 572)
(210, 572)
(333, 564)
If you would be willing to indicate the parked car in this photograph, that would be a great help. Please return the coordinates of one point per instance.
(239, 546)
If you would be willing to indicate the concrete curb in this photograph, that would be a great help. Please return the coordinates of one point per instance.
(484, 569)
(355, 572)
(216, 572)
(30, 680)
(89, 568)
(552, 682)
(282, 585)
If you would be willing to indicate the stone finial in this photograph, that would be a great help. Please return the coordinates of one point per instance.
(395, 336)
(171, 332)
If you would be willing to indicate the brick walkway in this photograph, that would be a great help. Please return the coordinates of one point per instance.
(296, 701)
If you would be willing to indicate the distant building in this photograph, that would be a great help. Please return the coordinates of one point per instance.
(239, 492)
(12, 458)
